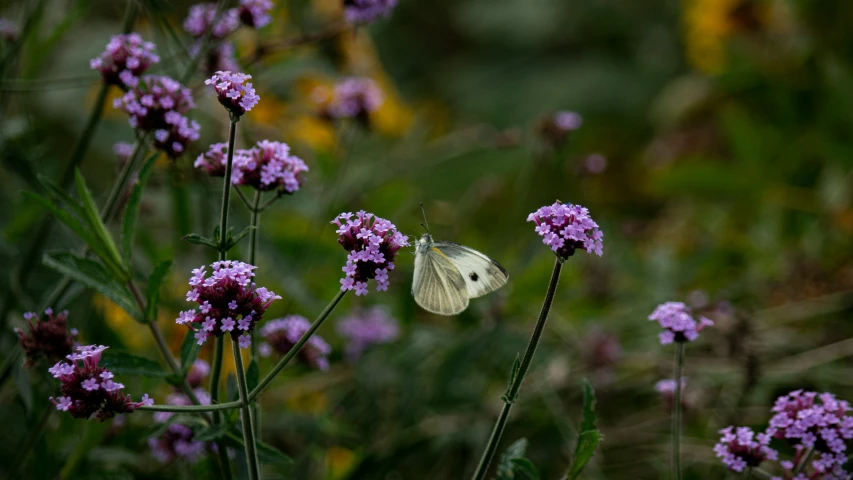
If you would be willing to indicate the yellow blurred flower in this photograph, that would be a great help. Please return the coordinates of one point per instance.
(132, 333)
(311, 401)
(339, 462)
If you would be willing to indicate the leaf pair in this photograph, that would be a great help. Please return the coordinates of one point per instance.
(215, 243)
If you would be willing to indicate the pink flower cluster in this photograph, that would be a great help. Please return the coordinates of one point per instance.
(567, 227)
(567, 121)
(124, 60)
(157, 104)
(202, 15)
(364, 328)
(353, 97)
(229, 302)
(741, 448)
(177, 443)
(213, 161)
(255, 13)
(372, 243)
(281, 334)
(49, 339)
(268, 166)
(677, 320)
(366, 11)
(234, 91)
(88, 389)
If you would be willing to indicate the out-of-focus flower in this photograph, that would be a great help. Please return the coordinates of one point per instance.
(367, 327)
(48, 339)
(352, 97)
(676, 319)
(126, 57)
(366, 11)
(88, 389)
(214, 160)
(555, 128)
(281, 334)
(180, 399)
(566, 228)
(567, 121)
(123, 151)
(268, 166)
(255, 13)
(234, 91)
(666, 389)
(202, 15)
(158, 104)
(198, 372)
(595, 163)
(229, 302)
(600, 351)
(372, 243)
(177, 443)
(8, 30)
(741, 448)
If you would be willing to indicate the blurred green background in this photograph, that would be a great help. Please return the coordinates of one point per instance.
(725, 125)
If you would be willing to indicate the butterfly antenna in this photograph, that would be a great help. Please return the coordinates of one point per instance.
(425, 224)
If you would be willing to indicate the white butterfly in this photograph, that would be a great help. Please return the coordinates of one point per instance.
(447, 275)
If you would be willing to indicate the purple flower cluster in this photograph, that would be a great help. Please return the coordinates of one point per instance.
(567, 227)
(567, 121)
(48, 339)
(255, 13)
(364, 328)
(676, 318)
(281, 334)
(666, 389)
(741, 448)
(234, 91)
(268, 166)
(157, 104)
(372, 243)
(202, 15)
(199, 370)
(366, 11)
(123, 151)
(177, 443)
(88, 389)
(8, 30)
(124, 60)
(229, 302)
(353, 97)
(213, 161)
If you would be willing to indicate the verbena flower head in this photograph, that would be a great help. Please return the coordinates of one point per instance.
(173, 141)
(366, 11)
(89, 390)
(214, 160)
(282, 333)
(8, 30)
(199, 370)
(567, 121)
(49, 339)
(601, 351)
(354, 97)
(268, 166)
(126, 57)
(372, 243)
(123, 151)
(177, 443)
(364, 328)
(741, 448)
(228, 302)
(666, 389)
(234, 91)
(814, 420)
(676, 318)
(566, 228)
(255, 13)
(201, 17)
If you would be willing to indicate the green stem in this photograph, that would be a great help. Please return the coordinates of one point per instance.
(112, 203)
(804, 462)
(246, 415)
(518, 377)
(677, 412)
(205, 42)
(226, 188)
(295, 349)
(192, 408)
(759, 473)
(253, 248)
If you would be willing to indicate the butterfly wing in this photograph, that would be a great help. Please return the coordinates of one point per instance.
(438, 287)
(481, 274)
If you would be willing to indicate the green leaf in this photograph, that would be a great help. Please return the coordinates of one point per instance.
(213, 432)
(524, 468)
(231, 241)
(253, 375)
(58, 193)
(131, 212)
(93, 275)
(588, 422)
(197, 239)
(589, 437)
(266, 452)
(514, 466)
(125, 363)
(99, 229)
(152, 294)
(22, 381)
(189, 352)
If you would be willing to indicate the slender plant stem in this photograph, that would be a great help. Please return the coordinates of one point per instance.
(759, 473)
(805, 461)
(253, 248)
(677, 412)
(192, 408)
(226, 188)
(296, 347)
(246, 415)
(205, 42)
(518, 377)
(31, 440)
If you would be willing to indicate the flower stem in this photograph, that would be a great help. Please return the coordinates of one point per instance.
(226, 188)
(191, 408)
(296, 347)
(805, 461)
(677, 412)
(253, 248)
(246, 415)
(518, 377)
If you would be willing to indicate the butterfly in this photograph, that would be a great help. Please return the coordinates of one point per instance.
(448, 275)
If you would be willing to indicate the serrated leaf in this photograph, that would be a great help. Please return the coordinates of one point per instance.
(253, 375)
(93, 275)
(505, 470)
(213, 432)
(152, 293)
(131, 212)
(197, 239)
(124, 363)
(589, 437)
(588, 407)
(94, 217)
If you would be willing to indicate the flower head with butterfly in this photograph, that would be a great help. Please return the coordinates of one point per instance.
(372, 243)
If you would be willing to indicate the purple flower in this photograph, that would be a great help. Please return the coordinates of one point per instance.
(595, 163)
(364, 328)
(201, 17)
(230, 281)
(813, 420)
(234, 91)
(567, 121)
(124, 60)
(255, 13)
(352, 97)
(268, 166)
(214, 160)
(8, 30)
(281, 334)
(677, 320)
(82, 395)
(366, 11)
(600, 352)
(198, 372)
(372, 243)
(741, 448)
(177, 443)
(666, 389)
(49, 339)
(566, 228)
